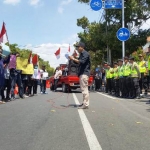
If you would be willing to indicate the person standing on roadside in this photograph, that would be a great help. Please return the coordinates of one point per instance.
(3, 63)
(57, 76)
(83, 73)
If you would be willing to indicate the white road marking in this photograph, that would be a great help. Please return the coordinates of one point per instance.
(90, 135)
(107, 95)
(116, 98)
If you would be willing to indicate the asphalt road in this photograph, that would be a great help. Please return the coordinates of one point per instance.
(53, 122)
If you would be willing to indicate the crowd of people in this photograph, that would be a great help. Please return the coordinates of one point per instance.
(126, 78)
(10, 77)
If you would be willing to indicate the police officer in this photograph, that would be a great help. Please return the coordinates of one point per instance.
(120, 73)
(135, 76)
(109, 77)
(143, 69)
(126, 77)
(116, 79)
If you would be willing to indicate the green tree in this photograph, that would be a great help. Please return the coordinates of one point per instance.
(25, 54)
(97, 39)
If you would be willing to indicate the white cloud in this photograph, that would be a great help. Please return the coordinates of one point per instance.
(60, 10)
(46, 52)
(66, 2)
(62, 4)
(13, 2)
(34, 2)
(71, 39)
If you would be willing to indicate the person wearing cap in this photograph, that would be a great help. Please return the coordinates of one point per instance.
(116, 79)
(135, 76)
(148, 62)
(83, 72)
(111, 70)
(120, 74)
(108, 79)
(126, 77)
(143, 70)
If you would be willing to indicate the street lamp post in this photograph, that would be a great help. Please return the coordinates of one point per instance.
(123, 20)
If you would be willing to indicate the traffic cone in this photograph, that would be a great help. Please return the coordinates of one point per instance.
(47, 84)
(16, 90)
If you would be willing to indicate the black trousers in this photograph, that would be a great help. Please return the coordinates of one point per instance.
(15, 77)
(143, 83)
(35, 83)
(25, 85)
(8, 86)
(135, 88)
(116, 87)
(121, 86)
(55, 83)
(98, 83)
(43, 86)
(126, 86)
(108, 85)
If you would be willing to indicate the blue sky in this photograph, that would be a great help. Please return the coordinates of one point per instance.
(48, 24)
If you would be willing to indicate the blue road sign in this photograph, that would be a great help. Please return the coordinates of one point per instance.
(96, 4)
(113, 4)
(123, 34)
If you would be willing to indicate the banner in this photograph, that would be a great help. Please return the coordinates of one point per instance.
(22, 64)
(28, 70)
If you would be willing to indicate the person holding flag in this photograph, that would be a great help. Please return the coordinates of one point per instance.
(83, 72)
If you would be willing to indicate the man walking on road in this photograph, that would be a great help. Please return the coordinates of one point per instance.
(83, 73)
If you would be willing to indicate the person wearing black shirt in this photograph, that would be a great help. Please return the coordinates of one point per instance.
(83, 73)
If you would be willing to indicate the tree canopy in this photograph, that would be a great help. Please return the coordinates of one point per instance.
(25, 54)
(101, 36)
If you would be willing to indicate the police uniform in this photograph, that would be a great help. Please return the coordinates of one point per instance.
(116, 81)
(143, 71)
(135, 76)
(126, 78)
(108, 79)
(120, 74)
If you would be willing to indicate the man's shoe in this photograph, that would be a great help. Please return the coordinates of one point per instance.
(138, 97)
(22, 96)
(80, 105)
(83, 107)
(12, 98)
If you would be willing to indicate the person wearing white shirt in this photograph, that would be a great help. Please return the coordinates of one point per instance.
(44, 76)
(57, 75)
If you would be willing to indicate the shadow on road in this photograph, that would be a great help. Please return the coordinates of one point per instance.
(70, 105)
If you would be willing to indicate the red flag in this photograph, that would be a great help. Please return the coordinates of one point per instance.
(35, 59)
(69, 48)
(57, 53)
(30, 58)
(3, 34)
(75, 53)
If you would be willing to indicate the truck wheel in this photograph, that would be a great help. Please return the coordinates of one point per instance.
(51, 86)
(64, 88)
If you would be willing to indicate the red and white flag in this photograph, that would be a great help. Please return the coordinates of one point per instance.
(3, 34)
(69, 49)
(57, 53)
(30, 58)
(35, 59)
(75, 54)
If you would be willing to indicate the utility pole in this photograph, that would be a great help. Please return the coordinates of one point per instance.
(123, 20)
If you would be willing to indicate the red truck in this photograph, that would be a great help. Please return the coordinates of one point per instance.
(69, 79)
